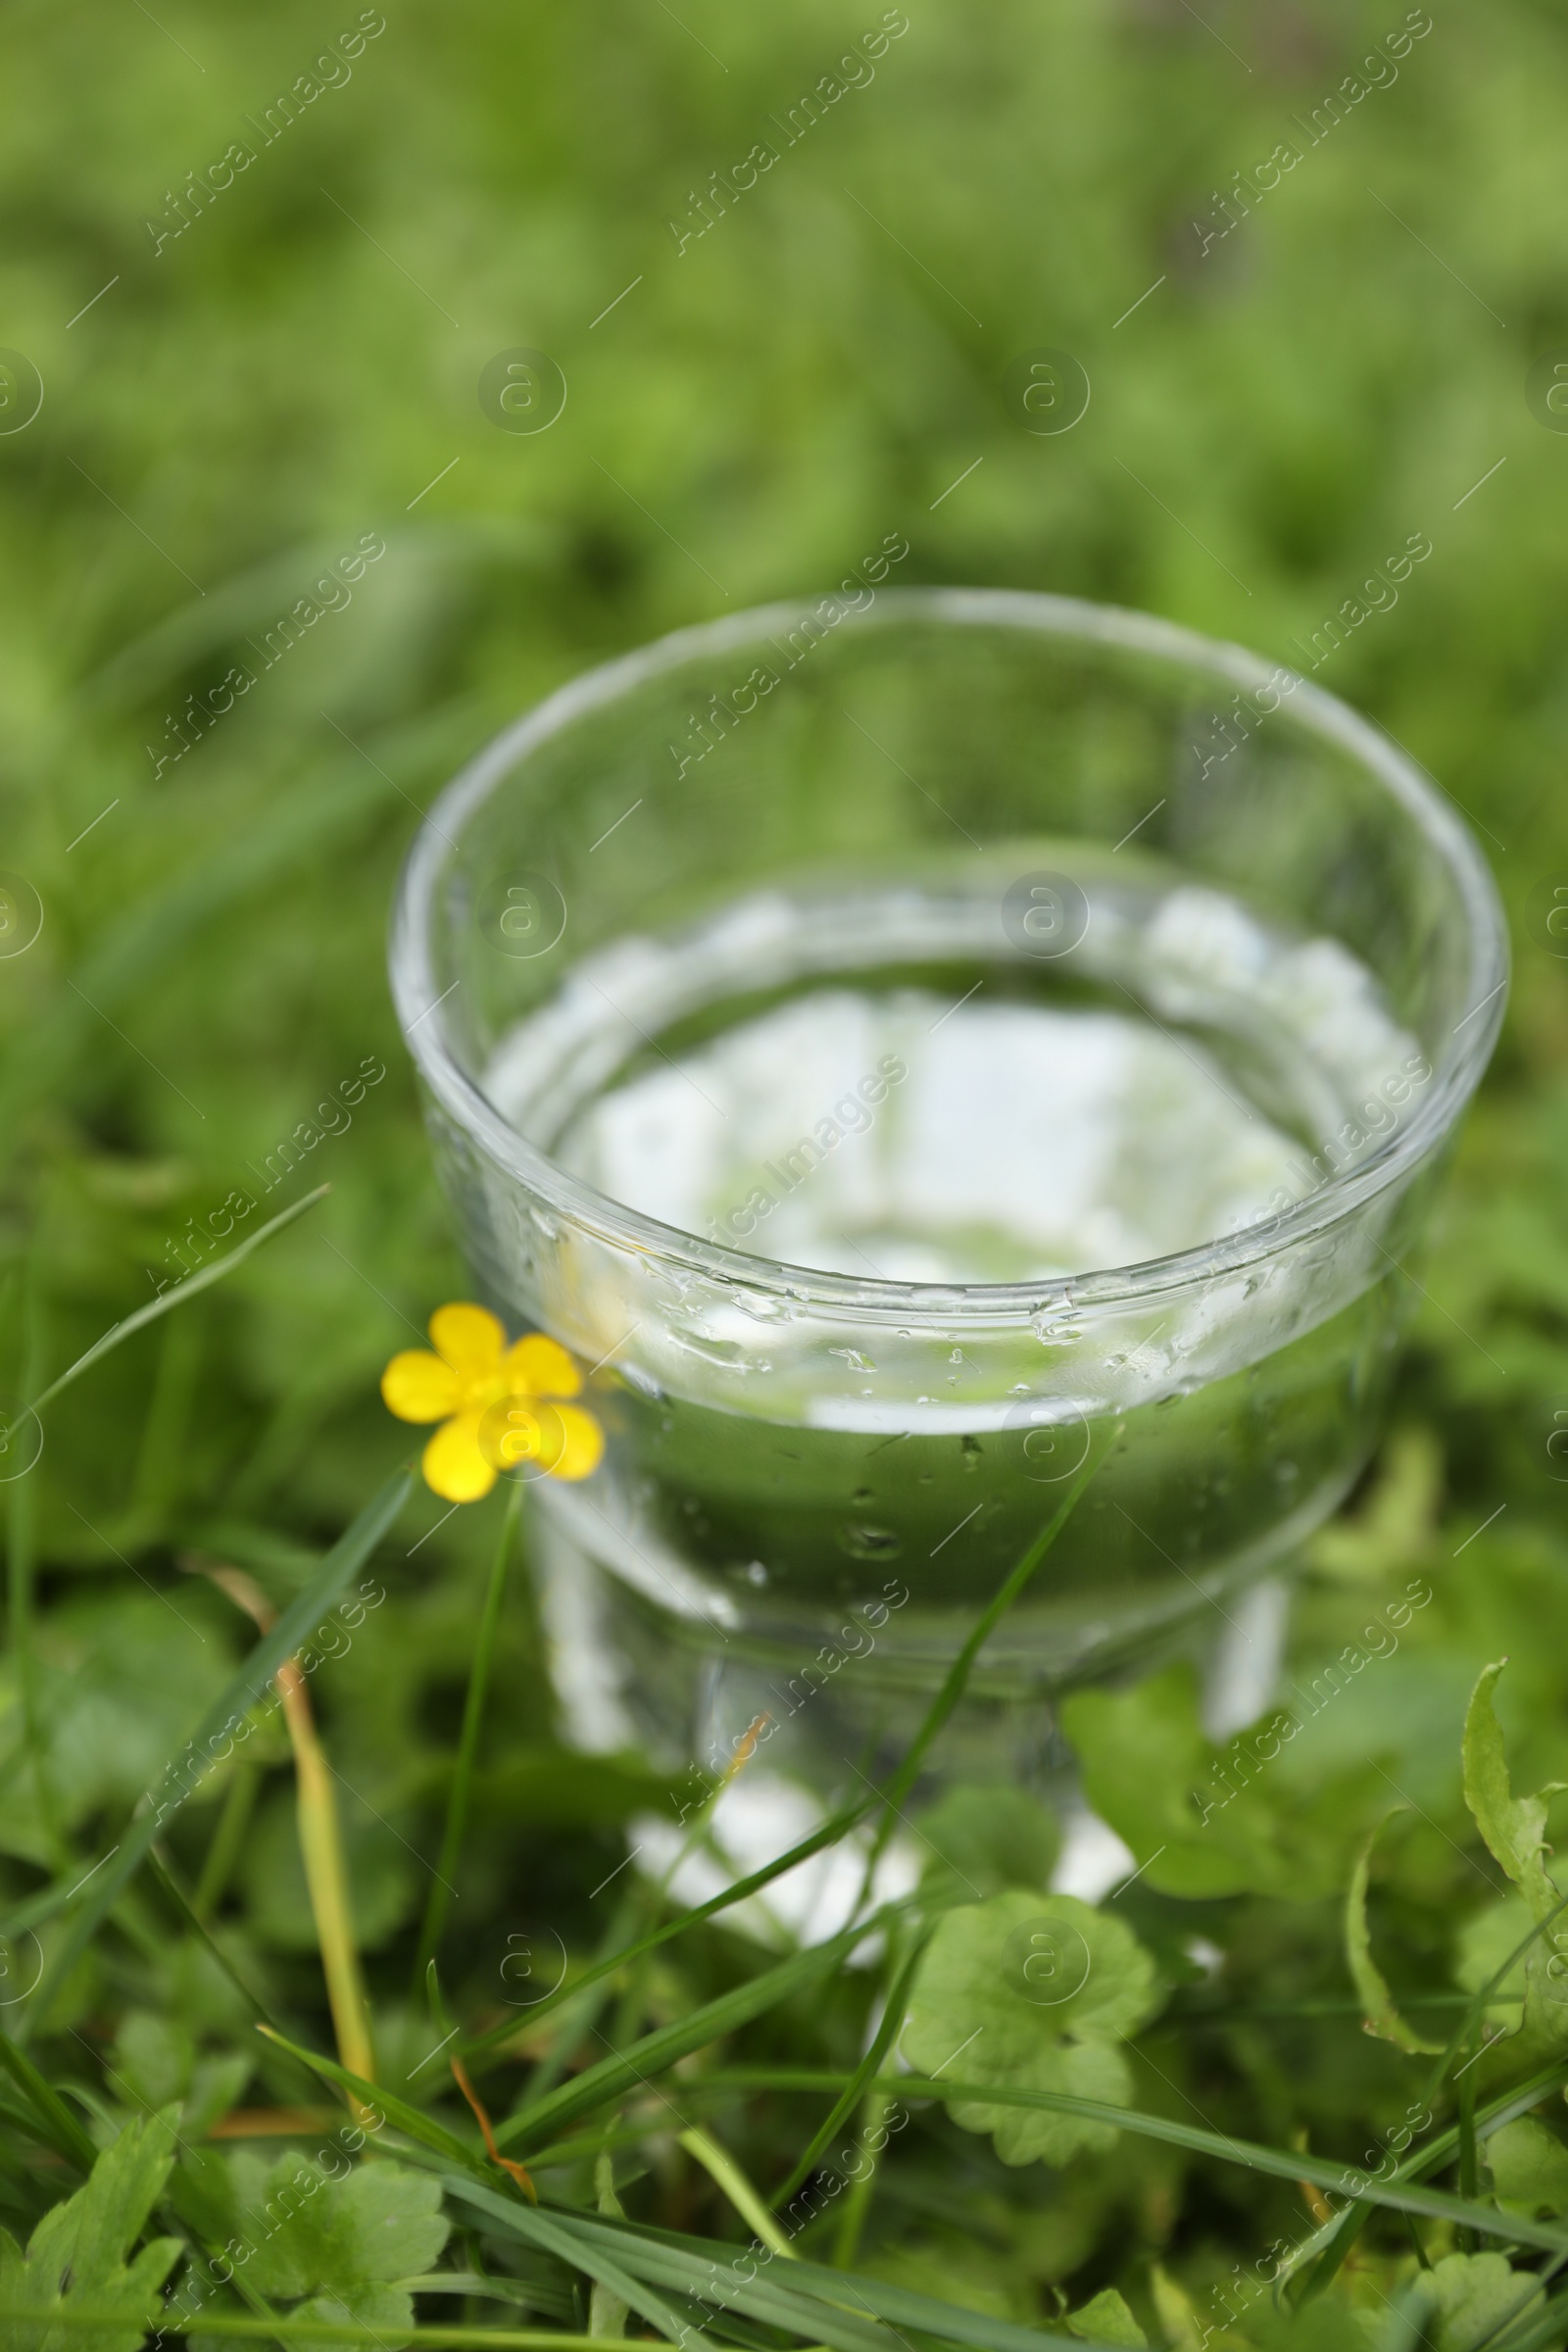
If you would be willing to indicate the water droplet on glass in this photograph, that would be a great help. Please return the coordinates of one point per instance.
(866, 1542)
(1057, 1325)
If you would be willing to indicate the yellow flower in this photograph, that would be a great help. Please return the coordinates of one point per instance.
(498, 1405)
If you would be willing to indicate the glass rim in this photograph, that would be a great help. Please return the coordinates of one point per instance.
(417, 1001)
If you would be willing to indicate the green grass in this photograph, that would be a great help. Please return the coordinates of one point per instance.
(232, 414)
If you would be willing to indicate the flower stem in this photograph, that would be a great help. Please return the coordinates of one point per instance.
(441, 1885)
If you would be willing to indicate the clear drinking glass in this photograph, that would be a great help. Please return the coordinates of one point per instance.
(887, 1040)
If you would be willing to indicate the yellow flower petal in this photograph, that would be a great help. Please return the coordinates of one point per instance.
(516, 1431)
(541, 1367)
(417, 1386)
(454, 1464)
(469, 1338)
(583, 1444)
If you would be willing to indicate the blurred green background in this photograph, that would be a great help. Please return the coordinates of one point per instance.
(230, 409)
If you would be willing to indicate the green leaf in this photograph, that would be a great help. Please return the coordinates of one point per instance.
(1466, 2300)
(1515, 1958)
(157, 2060)
(982, 1841)
(334, 2246)
(1513, 1827)
(313, 2231)
(75, 2257)
(1382, 2018)
(1529, 2168)
(1037, 1992)
(1108, 2318)
(1206, 1820)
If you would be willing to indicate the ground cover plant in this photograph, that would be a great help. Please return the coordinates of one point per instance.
(291, 1848)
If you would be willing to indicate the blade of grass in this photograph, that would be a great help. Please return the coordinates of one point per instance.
(110, 1877)
(827, 1833)
(228, 1839)
(653, 1893)
(579, 2021)
(199, 1928)
(422, 2129)
(633, 2262)
(1282, 2164)
(60, 2129)
(840, 2303)
(22, 1533)
(623, 2071)
(321, 1837)
(892, 2020)
(1397, 2192)
(549, 2233)
(446, 1869)
(168, 1301)
(1469, 2160)
(857, 2203)
(722, 2167)
(324, 2332)
(957, 1679)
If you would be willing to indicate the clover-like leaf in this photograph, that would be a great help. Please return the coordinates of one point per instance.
(1106, 2320)
(1213, 1821)
(75, 2257)
(1467, 2299)
(340, 2241)
(1529, 2168)
(1034, 1993)
(157, 2060)
(980, 1841)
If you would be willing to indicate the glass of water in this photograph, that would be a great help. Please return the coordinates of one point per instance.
(890, 1041)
